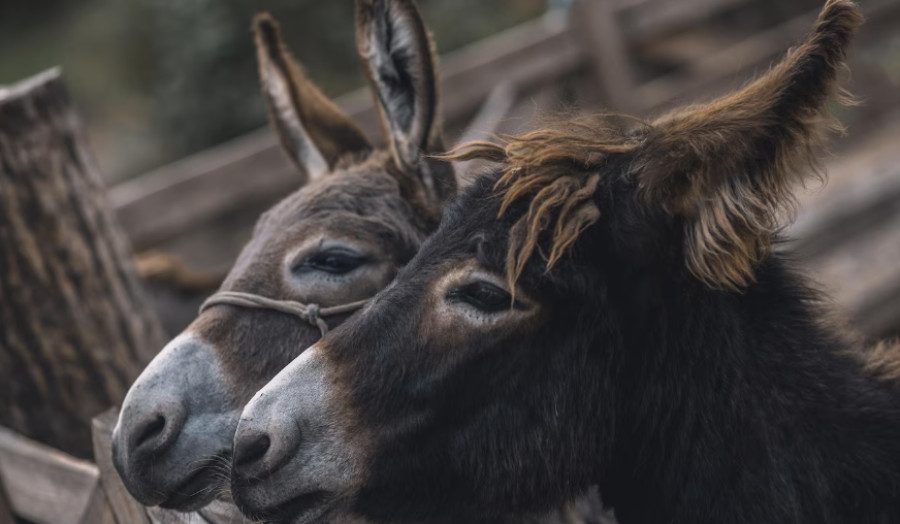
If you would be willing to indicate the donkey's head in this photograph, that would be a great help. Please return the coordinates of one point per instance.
(512, 362)
(361, 214)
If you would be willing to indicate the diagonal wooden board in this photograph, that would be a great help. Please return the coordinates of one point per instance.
(126, 509)
(44, 485)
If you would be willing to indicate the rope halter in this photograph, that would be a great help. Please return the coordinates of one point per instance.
(310, 313)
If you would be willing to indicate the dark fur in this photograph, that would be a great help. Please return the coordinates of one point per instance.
(687, 399)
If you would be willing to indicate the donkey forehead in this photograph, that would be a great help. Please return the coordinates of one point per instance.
(362, 190)
(363, 209)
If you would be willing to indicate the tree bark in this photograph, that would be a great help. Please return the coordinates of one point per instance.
(75, 325)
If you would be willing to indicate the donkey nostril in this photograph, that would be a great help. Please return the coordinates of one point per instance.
(150, 432)
(251, 449)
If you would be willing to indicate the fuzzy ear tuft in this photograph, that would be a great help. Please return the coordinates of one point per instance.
(399, 60)
(727, 167)
(314, 133)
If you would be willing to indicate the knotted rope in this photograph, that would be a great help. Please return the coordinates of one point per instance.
(310, 313)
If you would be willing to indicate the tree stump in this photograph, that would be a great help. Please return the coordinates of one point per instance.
(75, 325)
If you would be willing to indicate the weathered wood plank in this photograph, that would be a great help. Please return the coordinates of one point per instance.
(532, 54)
(848, 232)
(723, 65)
(494, 109)
(598, 28)
(125, 508)
(44, 485)
(708, 73)
(529, 108)
(98, 509)
(485, 123)
(651, 18)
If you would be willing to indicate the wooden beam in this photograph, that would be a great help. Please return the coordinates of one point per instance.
(535, 53)
(124, 506)
(45, 486)
(494, 109)
(710, 72)
(98, 509)
(652, 18)
(848, 232)
(724, 65)
(598, 28)
(485, 125)
(251, 169)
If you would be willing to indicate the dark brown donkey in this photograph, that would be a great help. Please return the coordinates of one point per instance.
(607, 308)
(361, 215)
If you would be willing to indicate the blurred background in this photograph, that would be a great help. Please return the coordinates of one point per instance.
(157, 80)
(168, 92)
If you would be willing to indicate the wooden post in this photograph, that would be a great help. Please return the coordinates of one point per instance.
(44, 485)
(125, 508)
(75, 326)
(596, 25)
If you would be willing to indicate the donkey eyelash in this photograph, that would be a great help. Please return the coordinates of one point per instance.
(336, 261)
(484, 296)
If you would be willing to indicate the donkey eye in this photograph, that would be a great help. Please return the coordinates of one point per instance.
(334, 262)
(482, 295)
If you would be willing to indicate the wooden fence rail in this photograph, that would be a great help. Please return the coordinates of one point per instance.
(44, 485)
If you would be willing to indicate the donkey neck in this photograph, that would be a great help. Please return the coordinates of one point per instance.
(747, 408)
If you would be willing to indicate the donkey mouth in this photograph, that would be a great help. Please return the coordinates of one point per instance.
(196, 491)
(303, 509)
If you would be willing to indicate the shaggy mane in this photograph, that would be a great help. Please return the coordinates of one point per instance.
(556, 168)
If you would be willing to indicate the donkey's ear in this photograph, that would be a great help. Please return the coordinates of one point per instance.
(727, 167)
(312, 130)
(398, 57)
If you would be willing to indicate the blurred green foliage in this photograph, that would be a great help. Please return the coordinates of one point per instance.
(159, 79)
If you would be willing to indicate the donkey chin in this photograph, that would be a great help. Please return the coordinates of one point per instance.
(173, 439)
(286, 470)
